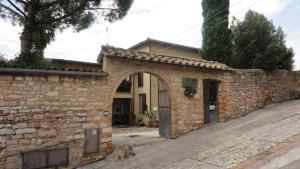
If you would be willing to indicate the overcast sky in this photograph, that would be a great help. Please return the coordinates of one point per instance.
(175, 21)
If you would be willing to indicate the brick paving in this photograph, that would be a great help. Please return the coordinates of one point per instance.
(223, 145)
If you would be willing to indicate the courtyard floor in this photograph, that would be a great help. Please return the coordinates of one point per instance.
(137, 135)
(267, 138)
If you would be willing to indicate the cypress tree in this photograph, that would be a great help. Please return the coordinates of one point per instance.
(217, 43)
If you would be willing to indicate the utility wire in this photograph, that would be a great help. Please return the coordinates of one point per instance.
(211, 18)
(194, 26)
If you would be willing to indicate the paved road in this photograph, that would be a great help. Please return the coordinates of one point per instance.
(223, 145)
(285, 161)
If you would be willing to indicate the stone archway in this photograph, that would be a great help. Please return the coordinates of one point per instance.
(157, 99)
(187, 112)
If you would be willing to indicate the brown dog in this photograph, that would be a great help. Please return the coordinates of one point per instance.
(124, 151)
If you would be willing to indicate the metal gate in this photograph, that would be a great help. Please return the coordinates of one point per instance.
(122, 112)
(164, 110)
(211, 101)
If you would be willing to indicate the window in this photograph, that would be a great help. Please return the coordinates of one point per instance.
(140, 79)
(125, 86)
(142, 103)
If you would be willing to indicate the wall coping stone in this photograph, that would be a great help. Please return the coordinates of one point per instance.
(50, 72)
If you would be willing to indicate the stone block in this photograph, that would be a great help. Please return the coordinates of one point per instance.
(45, 125)
(82, 114)
(3, 145)
(39, 141)
(30, 135)
(69, 113)
(17, 119)
(25, 131)
(53, 78)
(10, 111)
(7, 125)
(2, 139)
(24, 141)
(15, 137)
(79, 119)
(38, 117)
(76, 108)
(81, 89)
(10, 117)
(105, 140)
(52, 93)
(19, 78)
(78, 136)
(47, 133)
(88, 125)
(28, 78)
(6, 131)
(12, 142)
(36, 110)
(107, 130)
(19, 125)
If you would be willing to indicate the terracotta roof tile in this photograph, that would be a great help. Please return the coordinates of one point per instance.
(129, 54)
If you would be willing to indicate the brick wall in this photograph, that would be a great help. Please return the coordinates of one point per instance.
(48, 110)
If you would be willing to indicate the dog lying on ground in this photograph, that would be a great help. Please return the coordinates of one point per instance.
(124, 151)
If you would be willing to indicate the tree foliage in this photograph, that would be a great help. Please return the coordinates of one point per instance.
(41, 19)
(3, 60)
(216, 43)
(258, 44)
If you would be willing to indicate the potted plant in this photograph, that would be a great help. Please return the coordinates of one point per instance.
(190, 91)
(139, 119)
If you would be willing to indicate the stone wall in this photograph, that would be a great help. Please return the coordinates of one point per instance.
(296, 84)
(50, 111)
(42, 110)
(253, 89)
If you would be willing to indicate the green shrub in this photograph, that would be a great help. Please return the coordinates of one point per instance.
(31, 60)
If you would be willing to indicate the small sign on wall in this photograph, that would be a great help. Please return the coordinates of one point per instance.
(189, 82)
(212, 107)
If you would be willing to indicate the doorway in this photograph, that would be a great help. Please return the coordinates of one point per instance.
(141, 107)
(211, 101)
(122, 112)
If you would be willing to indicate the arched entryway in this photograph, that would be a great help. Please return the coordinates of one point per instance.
(142, 100)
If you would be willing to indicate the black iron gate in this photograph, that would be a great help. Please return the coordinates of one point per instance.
(211, 101)
(164, 110)
(122, 112)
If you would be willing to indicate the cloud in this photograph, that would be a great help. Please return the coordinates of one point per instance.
(9, 39)
(169, 20)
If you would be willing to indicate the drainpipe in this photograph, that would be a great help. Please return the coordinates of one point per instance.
(150, 88)
(133, 92)
(150, 93)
